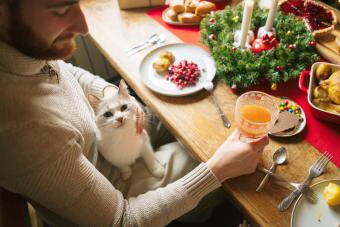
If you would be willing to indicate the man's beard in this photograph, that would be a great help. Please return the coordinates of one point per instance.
(24, 39)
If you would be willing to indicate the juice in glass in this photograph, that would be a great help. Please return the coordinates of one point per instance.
(255, 114)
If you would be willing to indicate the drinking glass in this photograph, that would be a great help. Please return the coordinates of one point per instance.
(255, 114)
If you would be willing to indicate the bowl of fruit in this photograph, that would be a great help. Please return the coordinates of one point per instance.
(323, 91)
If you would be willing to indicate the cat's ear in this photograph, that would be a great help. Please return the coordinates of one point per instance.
(93, 100)
(123, 88)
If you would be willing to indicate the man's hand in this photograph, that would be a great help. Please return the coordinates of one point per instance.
(234, 157)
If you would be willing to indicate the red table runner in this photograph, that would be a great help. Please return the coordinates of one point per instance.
(322, 135)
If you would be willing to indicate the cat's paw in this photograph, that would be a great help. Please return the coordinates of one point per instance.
(158, 170)
(126, 174)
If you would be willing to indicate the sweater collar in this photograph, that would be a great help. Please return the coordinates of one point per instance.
(13, 61)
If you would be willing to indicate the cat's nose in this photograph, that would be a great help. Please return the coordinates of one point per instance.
(120, 119)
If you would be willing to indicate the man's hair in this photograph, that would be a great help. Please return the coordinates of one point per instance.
(13, 4)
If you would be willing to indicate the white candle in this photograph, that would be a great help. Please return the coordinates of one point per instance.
(271, 16)
(247, 12)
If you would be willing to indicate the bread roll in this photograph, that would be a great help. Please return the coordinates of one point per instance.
(204, 7)
(177, 6)
(188, 18)
(191, 5)
(171, 14)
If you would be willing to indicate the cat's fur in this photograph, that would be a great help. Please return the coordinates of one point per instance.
(121, 138)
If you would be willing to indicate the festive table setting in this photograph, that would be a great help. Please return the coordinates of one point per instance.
(232, 50)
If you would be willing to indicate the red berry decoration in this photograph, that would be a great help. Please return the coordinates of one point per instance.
(234, 88)
(291, 46)
(267, 42)
(212, 37)
(312, 43)
(279, 68)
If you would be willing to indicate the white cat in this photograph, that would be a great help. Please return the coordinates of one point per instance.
(121, 134)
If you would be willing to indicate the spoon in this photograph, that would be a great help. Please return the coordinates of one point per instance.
(208, 85)
(279, 157)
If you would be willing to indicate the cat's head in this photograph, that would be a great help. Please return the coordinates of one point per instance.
(115, 110)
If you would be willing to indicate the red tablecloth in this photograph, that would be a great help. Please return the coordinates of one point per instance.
(322, 135)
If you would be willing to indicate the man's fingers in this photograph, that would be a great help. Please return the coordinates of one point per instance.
(260, 143)
(235, 135)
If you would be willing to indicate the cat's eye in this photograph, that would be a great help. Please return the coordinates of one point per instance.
(123, 107)
(108, 114)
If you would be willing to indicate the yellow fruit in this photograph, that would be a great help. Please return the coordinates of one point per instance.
(161, 65)
(331, 193)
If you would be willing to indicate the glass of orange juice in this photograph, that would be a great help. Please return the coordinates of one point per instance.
(255, 114)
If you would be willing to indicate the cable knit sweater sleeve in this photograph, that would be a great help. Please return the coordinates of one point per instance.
(59, 177)
(91, 84)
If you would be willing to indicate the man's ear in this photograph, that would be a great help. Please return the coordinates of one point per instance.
(93, 100)
(123, 88)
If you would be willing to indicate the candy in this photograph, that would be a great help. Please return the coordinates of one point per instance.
(291, 107)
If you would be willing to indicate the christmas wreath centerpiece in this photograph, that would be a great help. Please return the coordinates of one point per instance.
(275, 58)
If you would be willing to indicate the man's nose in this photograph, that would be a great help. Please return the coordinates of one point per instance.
(79, 23)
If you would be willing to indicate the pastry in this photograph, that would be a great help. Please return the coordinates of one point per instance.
(177, 6)
(188, 18)
(204, 7)
(319, 20)
(191, 5)
(171, 14)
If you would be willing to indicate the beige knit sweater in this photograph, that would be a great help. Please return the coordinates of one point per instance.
(48, 155)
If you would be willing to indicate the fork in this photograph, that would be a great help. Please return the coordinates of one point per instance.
(156, 40)
(315, 170)
(309, 192)
(208, 85)
(153, 36)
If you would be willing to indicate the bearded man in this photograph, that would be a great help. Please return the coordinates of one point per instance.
(47, 133)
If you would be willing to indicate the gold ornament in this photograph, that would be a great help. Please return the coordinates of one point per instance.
(236, 19)
(289, 33)
(274, 86)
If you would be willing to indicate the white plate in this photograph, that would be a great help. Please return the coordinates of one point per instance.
(181, 51)
(300, 127)
(167, 20)
(306, 214)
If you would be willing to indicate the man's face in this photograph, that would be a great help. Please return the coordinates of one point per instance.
(45, 29)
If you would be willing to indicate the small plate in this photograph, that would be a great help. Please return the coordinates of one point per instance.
(320, 214)
(299, 128)
(167, 20)
(157, 82)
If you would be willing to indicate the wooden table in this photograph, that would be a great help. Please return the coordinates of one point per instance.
(194, 119)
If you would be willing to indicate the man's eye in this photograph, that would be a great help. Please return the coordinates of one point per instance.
(108, 114)
(123, 107)
(62, 11)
